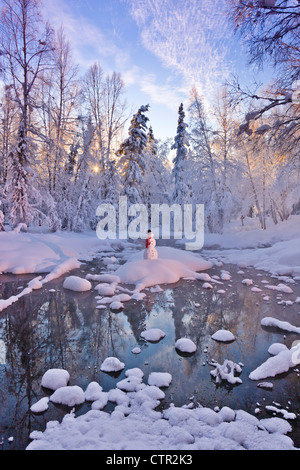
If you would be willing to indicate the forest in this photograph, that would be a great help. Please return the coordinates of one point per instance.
(70, 141)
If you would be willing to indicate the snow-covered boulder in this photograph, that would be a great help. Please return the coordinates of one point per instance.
(112, 364)
(185, 345)
(223, 336)
(160, 379)
(55, 378)
(153, 334)
(77, 284)
(69, 396)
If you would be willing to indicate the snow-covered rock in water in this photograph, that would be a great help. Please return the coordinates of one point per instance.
(40, 406)
(281, 288)
(247, 282)
(101, 401)
(153, 334)
(93, 392)
(105, 290)
(207, 285)
(77, 284)
(112, 364)
(276, 348)
(226, 371)
(286, 414)
(256, 289)
(135, 371)
(160, 379)
(185, 345)
(278, 364)
(283, 325)
(69, 396)
(55, 378)
(225, 275)
(116, 306)
(223, 336)
(266, 385)
(130, 384)
(36, 283)
(136, 350)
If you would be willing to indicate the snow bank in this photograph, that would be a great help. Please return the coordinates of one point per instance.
(275, 250)
(134, 424)
(50, 254)
(29, 253)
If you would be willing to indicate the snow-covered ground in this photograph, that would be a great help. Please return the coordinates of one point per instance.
(275, 250)
(135, 423)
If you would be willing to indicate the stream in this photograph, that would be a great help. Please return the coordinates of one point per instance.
(56, 328)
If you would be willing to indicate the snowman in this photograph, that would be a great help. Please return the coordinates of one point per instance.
(150, 251)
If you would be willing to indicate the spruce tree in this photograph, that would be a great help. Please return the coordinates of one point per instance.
(182, 190)
(132, 157)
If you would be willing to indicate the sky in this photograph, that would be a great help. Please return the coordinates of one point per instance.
(161, 48)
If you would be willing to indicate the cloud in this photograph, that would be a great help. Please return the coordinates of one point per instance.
(88, 42)
(166, 94)
(190, 37)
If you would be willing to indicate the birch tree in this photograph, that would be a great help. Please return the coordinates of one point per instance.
(25, 43)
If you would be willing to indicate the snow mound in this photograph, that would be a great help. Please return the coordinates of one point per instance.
(278, 364)
(281, 288)
(171, 266)
(160, 379)
(153, 334)
(77, 284)
(93, 391)
(55, 378)
(283, 325)
(40, 406)
(69, 396)
(185, 345)
(112, 364)
(276, 348)
(223, 336)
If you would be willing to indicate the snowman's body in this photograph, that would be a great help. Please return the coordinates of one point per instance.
(150, 251)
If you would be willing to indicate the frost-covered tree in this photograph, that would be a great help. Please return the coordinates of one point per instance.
(156, 184)
(182, 190)
(25, 43)
(132, 157)
(270, 29)
(1, 219)
(18, 183)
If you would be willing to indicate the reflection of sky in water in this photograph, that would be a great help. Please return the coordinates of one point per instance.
(65, 330)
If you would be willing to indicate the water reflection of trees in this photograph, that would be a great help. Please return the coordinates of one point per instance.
(45, 330)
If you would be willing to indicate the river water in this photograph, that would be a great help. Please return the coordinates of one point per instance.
(64, 329)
